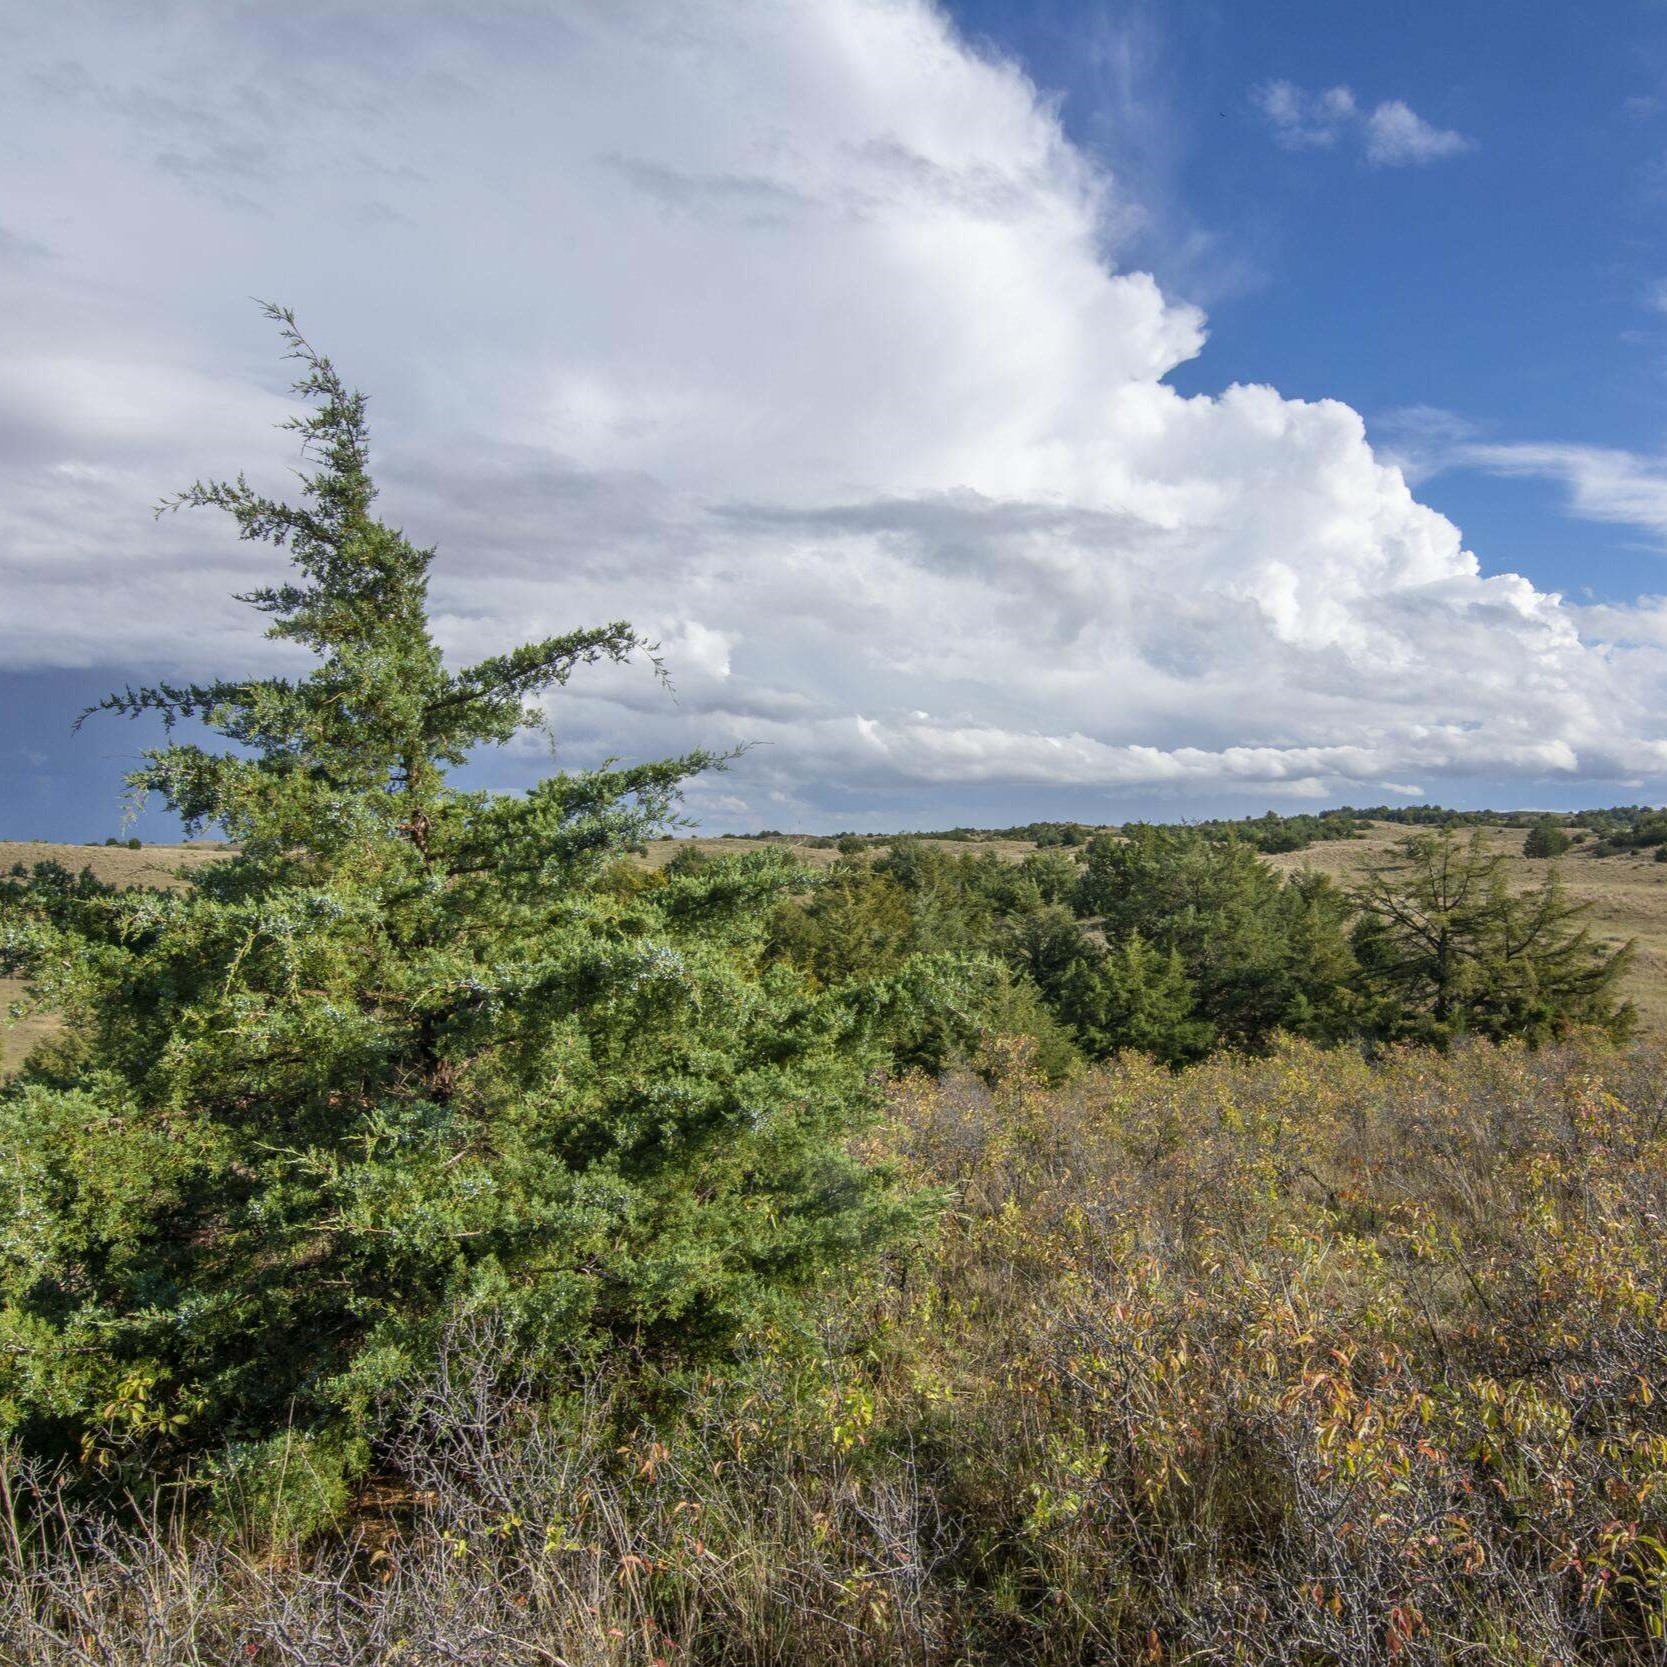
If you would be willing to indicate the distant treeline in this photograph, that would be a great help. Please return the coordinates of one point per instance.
(1612, 829)
(1045, 834)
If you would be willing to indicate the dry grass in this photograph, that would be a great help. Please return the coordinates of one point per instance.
(18, 1037)
(115, 865)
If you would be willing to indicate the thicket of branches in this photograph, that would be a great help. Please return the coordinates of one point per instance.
(1177, 941)
(1289, 1361)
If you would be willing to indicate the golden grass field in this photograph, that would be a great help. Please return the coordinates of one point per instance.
(1627, 894)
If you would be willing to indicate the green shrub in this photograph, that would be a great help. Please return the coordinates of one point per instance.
(286, 1488)
(1545, 839)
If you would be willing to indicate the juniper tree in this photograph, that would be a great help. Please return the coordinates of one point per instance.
(1545, 839)
(1261, 954)
(412, 1051)
(1448, 948)
(1135, 997)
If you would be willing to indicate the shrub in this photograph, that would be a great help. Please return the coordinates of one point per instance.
(1545, 839)
(1287, 1360)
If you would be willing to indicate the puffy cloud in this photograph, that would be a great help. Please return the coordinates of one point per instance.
(1304, 121)
(1397, 137)
(793, 333)
(1392, 134)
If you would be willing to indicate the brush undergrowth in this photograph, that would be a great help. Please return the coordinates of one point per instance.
(1295, 1360)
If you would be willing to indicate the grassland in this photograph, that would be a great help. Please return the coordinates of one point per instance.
(116, 865)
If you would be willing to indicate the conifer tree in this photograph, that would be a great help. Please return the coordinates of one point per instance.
(1545, 839)
(1135, 997)
(1448, 949)
(1261, 954)
(411, 1052)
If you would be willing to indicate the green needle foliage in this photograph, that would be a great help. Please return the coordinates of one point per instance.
(1545, 839)
(412, 1053)
(1447, 949)
(1135, 998)
(1261, 954)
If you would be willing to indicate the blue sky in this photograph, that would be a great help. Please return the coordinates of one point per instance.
(1510, 284)
(839, 343)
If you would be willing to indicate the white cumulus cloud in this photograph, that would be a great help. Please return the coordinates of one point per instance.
(1397, 136)
(1391, 134)
(796, 334)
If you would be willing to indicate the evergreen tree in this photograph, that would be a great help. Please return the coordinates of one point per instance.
(1545, 839)
(1044, 944)
(1449, 949)
(1138, 998)
(1261, 955)
(1053, 874)
(1323, 1000)
(852, 922)
(411, 1052)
